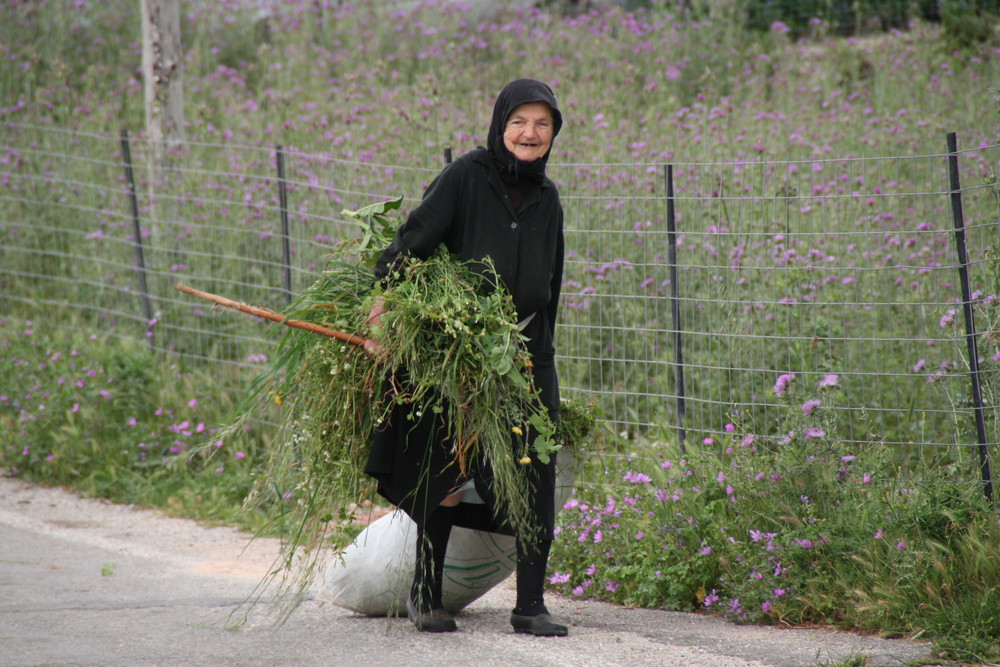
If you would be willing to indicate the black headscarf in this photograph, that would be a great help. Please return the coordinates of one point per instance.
(514, 94)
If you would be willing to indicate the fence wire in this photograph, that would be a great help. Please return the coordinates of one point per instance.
(829, 283)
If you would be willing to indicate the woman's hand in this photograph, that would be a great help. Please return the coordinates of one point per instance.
(373, 348)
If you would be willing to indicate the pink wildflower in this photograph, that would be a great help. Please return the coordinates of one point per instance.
(782, 383)
(829, 381)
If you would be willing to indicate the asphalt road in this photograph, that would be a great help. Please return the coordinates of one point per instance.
(84, 582)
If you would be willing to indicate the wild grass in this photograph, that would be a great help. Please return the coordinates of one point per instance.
(110, 419)
(806, 532)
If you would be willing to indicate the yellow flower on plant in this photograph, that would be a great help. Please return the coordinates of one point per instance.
(517, 430)
(524, 460)
(277, 399)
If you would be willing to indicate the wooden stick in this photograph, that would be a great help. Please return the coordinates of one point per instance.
(268, 314)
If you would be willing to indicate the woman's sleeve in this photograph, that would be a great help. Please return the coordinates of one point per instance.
(555, 287)
(426, 225)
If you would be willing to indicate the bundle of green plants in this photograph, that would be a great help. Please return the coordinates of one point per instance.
(448, 344)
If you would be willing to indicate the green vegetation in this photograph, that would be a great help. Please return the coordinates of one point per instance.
(111, 420)
(812, 245)
(811, 534)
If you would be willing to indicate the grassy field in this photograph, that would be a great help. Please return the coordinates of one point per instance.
(826, 358)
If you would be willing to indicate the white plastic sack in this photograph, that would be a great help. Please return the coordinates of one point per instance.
(373, 574)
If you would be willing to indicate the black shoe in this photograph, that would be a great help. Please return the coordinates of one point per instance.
(435, 620)
(539, 626)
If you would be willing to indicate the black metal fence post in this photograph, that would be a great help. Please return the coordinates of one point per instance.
(137, 229)
(668, 175)
(970, 323)
(283, 206)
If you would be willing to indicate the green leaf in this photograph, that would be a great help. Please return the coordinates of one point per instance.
(544, 444)
(366, 217)
(500, 361)
(376, 210)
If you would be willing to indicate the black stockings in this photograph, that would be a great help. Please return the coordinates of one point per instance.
(428, 575)
(432, 544)
(532, 562)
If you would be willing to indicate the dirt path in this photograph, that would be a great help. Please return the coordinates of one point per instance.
(85, 582)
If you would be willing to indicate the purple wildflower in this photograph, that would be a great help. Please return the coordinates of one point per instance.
(782, 383)
(735, 607)
(636, 477)
(829, 381)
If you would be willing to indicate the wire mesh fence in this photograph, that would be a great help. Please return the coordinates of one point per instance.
(699, 299)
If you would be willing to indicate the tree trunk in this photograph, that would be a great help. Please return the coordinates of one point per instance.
(162, 69)
(163, 81)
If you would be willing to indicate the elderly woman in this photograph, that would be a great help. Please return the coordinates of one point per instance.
(493, 202)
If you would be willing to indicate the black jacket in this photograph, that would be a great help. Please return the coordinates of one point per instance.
(467, 208)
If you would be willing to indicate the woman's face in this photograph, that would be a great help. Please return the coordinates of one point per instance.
(528, 134)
